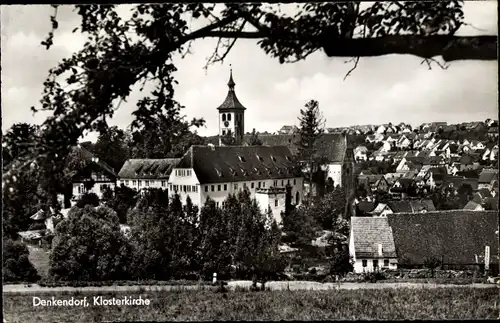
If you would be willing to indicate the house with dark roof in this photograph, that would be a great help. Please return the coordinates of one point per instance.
(412, 206)
(487, 178)
(95, 177)
(374, 183)
(371, 244)
(456, 238)
(216, 171)
(473, 206)
(142, 174)
(331, 149)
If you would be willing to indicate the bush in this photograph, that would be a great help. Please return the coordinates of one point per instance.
(16, 266)
(88, 199)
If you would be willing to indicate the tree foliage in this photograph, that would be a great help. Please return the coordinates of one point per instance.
(16, 266)
(89, 246)
(123, 199)
(88, 199)
(254, 139)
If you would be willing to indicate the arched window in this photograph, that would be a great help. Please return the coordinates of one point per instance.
(224, 116)
(297, 198)
(229, 117)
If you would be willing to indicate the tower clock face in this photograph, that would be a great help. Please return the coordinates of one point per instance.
(226, 123)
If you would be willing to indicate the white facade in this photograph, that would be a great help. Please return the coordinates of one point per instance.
(366, 265)
(231, 122)
(273, 199)
(185, 183)
(334, 171)
(98, 189)
(141, 184)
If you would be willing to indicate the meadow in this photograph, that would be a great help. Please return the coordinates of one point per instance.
(184, 305)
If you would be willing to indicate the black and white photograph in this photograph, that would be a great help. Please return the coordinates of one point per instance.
(250, 161)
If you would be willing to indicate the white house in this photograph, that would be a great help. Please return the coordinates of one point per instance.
(371, 244)
(141, 174)
(95, 177)
(360, 153)
(382, 209)
(215, 172)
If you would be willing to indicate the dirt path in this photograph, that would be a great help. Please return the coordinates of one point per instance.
(293, 285)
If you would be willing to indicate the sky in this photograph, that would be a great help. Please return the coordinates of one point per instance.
(391, 88)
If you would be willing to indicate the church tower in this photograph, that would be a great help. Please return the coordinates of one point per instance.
(231, 115)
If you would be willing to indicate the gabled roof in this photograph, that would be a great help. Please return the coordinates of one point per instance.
(471, 205)
(332, 146)
(488, 175)
(148, 168)
(366, 206)
(86, 155)
(368, 233)
(239, 163)
(400, 206)
(380, 207)
(454, 236)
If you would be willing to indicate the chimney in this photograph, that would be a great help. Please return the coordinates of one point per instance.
(380, 249)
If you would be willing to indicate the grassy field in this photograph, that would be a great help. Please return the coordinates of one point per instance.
(393, 304)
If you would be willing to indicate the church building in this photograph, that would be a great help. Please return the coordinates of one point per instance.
(231, 115)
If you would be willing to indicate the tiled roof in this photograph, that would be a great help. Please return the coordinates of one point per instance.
(84, 154)
(239, 163)
(366, 206)
(333, 146)
(368, 233)
(487, 175)
(148, 168)
(455, 236)
(471, 205)
(400, 206)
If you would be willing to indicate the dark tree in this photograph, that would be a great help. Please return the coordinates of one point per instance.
(124, 198)
(111, 147)
(310, 129)
(88, 199)
(254, 139)
(16, 266)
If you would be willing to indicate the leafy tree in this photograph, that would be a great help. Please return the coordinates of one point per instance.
(123, 199)
(17, 141)
(89, 246)
(228, 139)
(215, 244)
(16, 266)
(327, 208)
(311, 127)
(88, 199)
(341, 263)
(254, 139)
(299, 226)
(111, 147)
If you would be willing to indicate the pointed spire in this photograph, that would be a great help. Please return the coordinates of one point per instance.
(231, 83)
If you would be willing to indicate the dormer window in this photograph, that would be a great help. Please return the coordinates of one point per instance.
(243, 171)
(242, 159)
(273, 158)
(288, 158)
(219, 173)
(260, 158)
(256, 170)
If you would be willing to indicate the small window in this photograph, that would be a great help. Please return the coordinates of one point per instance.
(276, 203)
(275, 183)
(260, 184)
(375, 263)
(163, 183)
(386, 262)
(294, 182)
(223, 117)
(126, 182)
(139, 183)
(229, 117)
(134, 183)
(212, 188)
(217, 203)
(263, 184)
(282, 183)
(184, 188)
(218, 188)
(242, 159)
(252, 185)
(206, 188)
(273, 159)
(195, 188)
(235, 186)
(223, 132)
(365, 262)
(146, 183)
(288, 182)
(260, 158)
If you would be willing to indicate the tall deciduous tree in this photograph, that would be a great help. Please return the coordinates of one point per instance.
(89, 246)
(311, 127)
(111, 147)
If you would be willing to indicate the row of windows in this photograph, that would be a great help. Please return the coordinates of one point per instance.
(223, 187)
(375, 263)
(183, 188)
(226, 117)
(81, 188)
(182, 172)
(147, 183)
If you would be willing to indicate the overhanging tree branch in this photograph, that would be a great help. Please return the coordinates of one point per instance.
(450, 48)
